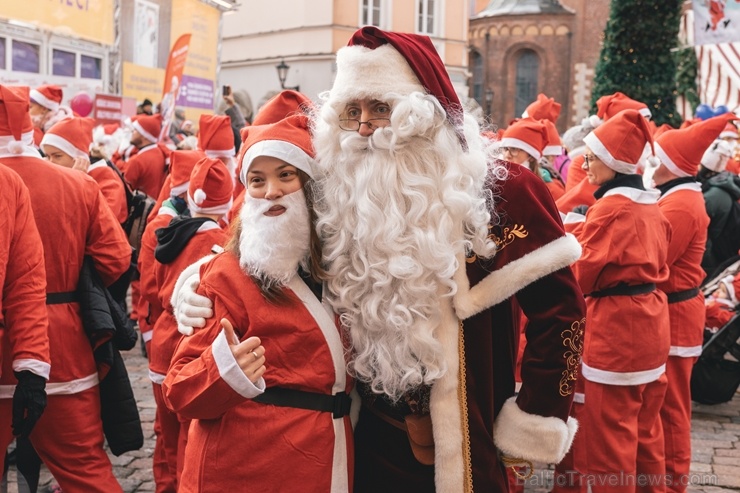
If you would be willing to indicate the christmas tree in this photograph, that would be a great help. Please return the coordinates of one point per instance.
(636, 57)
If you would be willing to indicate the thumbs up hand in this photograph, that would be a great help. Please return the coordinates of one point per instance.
(249, 354)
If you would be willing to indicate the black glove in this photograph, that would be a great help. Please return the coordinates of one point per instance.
(580, 209)
(29, 402)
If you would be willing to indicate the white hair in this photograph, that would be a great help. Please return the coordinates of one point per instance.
(395, 210)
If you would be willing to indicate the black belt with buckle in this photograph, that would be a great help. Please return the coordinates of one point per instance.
(338, 404)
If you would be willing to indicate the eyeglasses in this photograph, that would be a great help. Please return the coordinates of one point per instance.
(353, 125)
(589, 158)
(511, 150)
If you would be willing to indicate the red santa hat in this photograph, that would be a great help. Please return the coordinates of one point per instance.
(16, 129)
(732, 286)
(543, 108)
(610, 105)
(715, 158)
(730, 130)
(149, 126)
(554, 145)
(284, 104)
(211, 187)
(49, 96)
(215, 136)
(182, 164)
(72, 136)
(288, 140)
(527, 134)
(681, 150)
(375, 63)
(620, 142)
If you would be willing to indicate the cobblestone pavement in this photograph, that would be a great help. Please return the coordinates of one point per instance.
(715, 435)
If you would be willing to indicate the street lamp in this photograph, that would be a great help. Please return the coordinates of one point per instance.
(282, 69)
(489, 100)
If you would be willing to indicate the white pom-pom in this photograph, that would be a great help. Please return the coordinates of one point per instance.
(595, 121)
(199, 197)
(653, 161)
(16, 147)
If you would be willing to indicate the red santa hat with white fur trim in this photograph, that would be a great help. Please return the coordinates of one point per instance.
(49, 96)
(681, 150)
(554, 145)
(611, 104)
(72, 136)
(730, 285)
(215, 136)
(211, 187)
(288, 140)
(16, 129)
(620, 142)
(182, 164)
(527, 134)
(730, 131)
(149, 126)
(544, 108)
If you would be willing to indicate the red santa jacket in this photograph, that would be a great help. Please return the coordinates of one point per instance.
(112, 188)
(146, 170)
(718, 313)
(580, 194)
(24, 324)
(73, 221)
(625, 239)
(683, 205)
(576, 173)
(165, 334)
(304, 351)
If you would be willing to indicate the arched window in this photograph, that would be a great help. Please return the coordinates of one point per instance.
(527, 68)
(476, 62)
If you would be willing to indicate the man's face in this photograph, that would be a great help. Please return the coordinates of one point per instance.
(58, 157)
(137, 139)
(365, 116)
(39, 114)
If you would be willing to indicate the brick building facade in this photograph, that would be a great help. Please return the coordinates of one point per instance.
(519, 48)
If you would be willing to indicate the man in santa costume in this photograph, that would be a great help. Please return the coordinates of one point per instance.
(24, 339)
(682, 203)
(46, 109)
(73, 221)
(147, 170)
(625, 240)
(67, 144)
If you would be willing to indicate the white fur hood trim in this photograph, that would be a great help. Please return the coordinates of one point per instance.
(503, 283)
(531, 437)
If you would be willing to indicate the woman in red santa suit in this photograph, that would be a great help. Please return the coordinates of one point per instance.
(625, 243)
(276, 382)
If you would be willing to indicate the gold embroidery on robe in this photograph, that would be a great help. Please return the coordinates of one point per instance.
(508, 235)
(573, 341)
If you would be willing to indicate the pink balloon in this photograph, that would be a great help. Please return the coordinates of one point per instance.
(81, 103)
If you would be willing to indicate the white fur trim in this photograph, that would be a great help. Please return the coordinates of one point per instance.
(97, 165)
(137, 126)
(553, 150)
(668, 162)
(645, 112)
(685, 351)
(503, 283)
(155, 377)
(280, 149)
(199, 196)
(9, 147)
(574, 218)
(365, 73)
(62, 144)
(635, 194)
(40, 368)
(579, 398)
(532, 437)
(520, 144)
(58, 388)
(231, 372)
(179, 189)
(621, 377)
(601, 152)
(47, 103)
(217, 153)
(208, 226)
(594, 121)
(219, 209)
(147, 335)
(693, 187)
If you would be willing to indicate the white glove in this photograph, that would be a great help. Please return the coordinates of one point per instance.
(191, 309)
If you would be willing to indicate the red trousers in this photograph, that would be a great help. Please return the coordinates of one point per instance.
(167, 431)
(69, 439)
(625, 435)
(676, 418)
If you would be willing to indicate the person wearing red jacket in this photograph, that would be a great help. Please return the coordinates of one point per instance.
(146, 171)
(682, 203)
(24, 326)
(73, 221)
(67, 144)
(625, 240)
(179, 243)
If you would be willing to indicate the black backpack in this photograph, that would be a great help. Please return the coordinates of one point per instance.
(716, 375)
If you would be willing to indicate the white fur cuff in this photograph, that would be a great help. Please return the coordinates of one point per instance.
(532, 437)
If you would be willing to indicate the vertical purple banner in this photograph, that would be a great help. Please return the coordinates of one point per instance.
(25, 57)
(2, 53)
(195, 93)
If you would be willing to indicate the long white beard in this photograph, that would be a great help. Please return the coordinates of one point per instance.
(396, 209)
(272, 248)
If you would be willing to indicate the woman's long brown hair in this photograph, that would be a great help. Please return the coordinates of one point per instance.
(276, 294)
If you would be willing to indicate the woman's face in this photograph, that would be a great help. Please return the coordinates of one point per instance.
(58, 157)
(272, 178)
(516, 156)
(597, 172)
